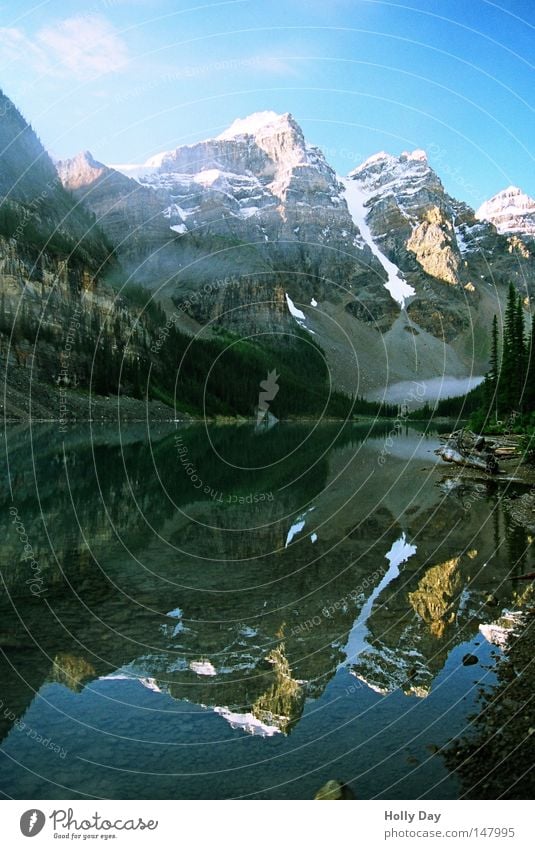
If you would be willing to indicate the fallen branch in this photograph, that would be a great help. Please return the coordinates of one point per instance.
(468, 449)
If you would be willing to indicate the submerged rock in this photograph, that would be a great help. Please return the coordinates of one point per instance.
(334, 789)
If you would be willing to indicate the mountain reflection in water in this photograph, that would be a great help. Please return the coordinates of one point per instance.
(301, 613)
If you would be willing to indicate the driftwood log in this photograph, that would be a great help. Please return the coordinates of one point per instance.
(468, 449)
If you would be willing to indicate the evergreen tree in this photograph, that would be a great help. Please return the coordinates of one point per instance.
(529, 393)
(509, 385)
(507, 394)
(493, 376)
(520, 353)
(3, 322)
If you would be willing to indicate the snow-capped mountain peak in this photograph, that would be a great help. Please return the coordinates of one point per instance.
(256, 126)
(382, 161)
(409, 214)
(156, 160)
(258, 122)
(511, 211)
(418, 155)
(381, 158)
(408, 178)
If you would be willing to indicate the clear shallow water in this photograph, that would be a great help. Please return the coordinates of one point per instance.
(299, 615)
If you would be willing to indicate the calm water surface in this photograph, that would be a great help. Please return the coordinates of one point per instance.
(239, 613)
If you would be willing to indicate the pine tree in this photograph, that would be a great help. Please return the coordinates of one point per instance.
(508, 394)
(520, 353)
(3, 322)
(493, 375)
(529, 394)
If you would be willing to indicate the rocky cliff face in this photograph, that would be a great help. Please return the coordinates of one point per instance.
(414, 221)
(35, 208)
(51, 251)
(256, 199)
(449, 258)
(129, 213)
(55, 308)
(406, 210)
(434, 245)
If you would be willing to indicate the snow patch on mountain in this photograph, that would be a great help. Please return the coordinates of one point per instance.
(297, 526)
(251, 125)
(293, 309)
(298, 314)
(357, 640)
(136, 171)
(202, 667)
(468, 237)
(356, 199)
(247, 722)
(382, 156)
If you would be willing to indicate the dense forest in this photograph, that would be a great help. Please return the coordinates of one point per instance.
(506, 398)
(212, 376)
(457, 407)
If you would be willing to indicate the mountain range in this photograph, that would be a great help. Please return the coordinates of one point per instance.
(253, 233)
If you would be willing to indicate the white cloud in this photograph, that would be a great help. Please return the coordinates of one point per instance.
(15, 45)
(82, 46)
(85, 45)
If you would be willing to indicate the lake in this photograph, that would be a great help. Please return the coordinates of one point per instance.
(223, 612)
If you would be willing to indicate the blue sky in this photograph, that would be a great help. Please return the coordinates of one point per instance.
(128, 78)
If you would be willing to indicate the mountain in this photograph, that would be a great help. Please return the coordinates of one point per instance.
(35, 207)
(73, 326)
(511, 211)
(254, 233)
(450, 261)
(129, 213)
(383, 261)
(59, 318)
(258, 200)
